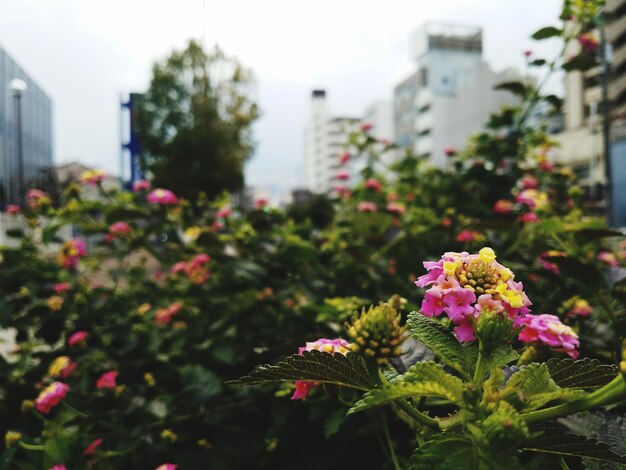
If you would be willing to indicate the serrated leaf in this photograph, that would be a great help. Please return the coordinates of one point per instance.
(531, 380)
(388, 393)
(446, 452)
(540, 399)
(546, 32)
(502, 355)
(583, 373)
(604, 427)
(582, 62)
(440, 340)
(517, 88)
(314, 366)
(556, 440)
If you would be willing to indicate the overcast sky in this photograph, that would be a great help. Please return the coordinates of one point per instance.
(84, 53)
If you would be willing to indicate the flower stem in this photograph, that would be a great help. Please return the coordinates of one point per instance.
(392, 452)
(611, 393)
(481, 365)
(37, 447)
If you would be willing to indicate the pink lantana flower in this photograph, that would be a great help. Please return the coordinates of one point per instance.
(223, 212)
(167, 466)
(51, 396)
(107, 380)
(164, 315)
(366, 126)
(468, 236)
(61, 367)
(343, 175)
(58, 467)
(373, 184)
(91, 448)
(261, 203)
(548, 330)
(503, 206)
(449, 151)
(343, 191)
(119, 229)
(529, 182)
(581, 308)
(13, 209)
(608, 258)
(36, 198)
(433, 303)
(141, 185)
(77, 338)
(71, 253)
(61, 287)
(331, 346)
(367, 206)
(589, 42)
(164, 197)
(396, 208)
(530, 218)
(459, 304)
(344, 158)
(93, 177)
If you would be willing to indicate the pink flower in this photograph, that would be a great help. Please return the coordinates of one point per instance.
(588, 42)
(468, 236)
(396, 208)
(432, 304)
(51, 396)
(167, 466)
(331, 346)
(530, 218)
(91, 448)
(527, 53)
(13, 209)
(196, 269)
(71, 253)
(548, 330)
(546, 165)
(344, 158)
(141, 185)
(164, 197)
(343, 191)
(77, 338)
(464, 331)
(503, 206)
(61, 287)
(59, 467)
(120, 229)
(107, 380)
(366, 126)
(459, 304)
(367, 206)
(581, 308)
(487, 302)
(62, 367)
(373, 184)
(261, 203)
(223, 212)
(164, 315)
(529, 182)
(343, 175)
(449, 152)
(36, 198)
(93, 177)
(608, 258)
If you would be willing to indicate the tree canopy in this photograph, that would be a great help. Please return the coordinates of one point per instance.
(194, 122)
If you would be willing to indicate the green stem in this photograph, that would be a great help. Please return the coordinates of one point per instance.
(563, 464)
(37, 447)
(481, 366)
(392, 452)
(611, 393)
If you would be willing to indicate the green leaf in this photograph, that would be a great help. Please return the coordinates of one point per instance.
(50, 232)
(440, 340)
(582, 62)
(502, 355)
(314, 366)
(334, 422)
(449, 452)
(546, 32)
(583, 373)
(604, 427)
(200, 382)
(56, 451)
(517, 88)
(556, 440)
(125, 214)
(555, 101)
(432, 372)
(381, 396)
(540, 399)
(538, 62)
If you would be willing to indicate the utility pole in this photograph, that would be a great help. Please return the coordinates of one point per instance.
(18, 87)
(605, 70)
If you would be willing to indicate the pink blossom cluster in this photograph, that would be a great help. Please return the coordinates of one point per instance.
(463, 285)
(332, 346)
(77, 338)
(396, 208)
(548, 329)
(343, 175)
(164, 315)
(71, 253)
(93, 177)
(62, 367)
(51, 396)
(468, 236)
(503, 206)
(141, 185)
(608, 258)
(373, 184)
(36, 198)
(91, 448)
(588, 42)
(343, 191)
(580, 308)
(163, 197)
(223, 212)
(366, 206)
(545, 263)
(107, 380)
(13, 209)
(119, 229)
(167, 466)
(58, 467)
(61, 287)
(196, 269)
(261, 203)
(344, 157)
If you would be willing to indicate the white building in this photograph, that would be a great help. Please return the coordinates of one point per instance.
(324, 140)
(451, 94)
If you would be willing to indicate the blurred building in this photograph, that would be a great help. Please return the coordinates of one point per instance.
(324, 140)
(581, 142)
(451, 94)
(31, 133)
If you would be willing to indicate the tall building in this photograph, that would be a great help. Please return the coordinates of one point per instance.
(451, 94)
(324, 140)
(25, 128)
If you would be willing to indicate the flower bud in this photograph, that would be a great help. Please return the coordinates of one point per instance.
(11, 438)
(505, 429)
(377, 333)
(493, 328)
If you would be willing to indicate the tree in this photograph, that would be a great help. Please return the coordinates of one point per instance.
(194, 122)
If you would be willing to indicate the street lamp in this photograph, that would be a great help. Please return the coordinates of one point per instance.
(18, 86)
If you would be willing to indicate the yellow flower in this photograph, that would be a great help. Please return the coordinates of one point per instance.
(149, 378)
(169, 435)
(58, 365)
(449, 267)
(487, 255)
(144, 308)
(55, 303)
(193, 233)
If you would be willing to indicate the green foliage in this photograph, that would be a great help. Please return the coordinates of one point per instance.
(583, 373)
(195, 121)
(547, 32)
(315, 366)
